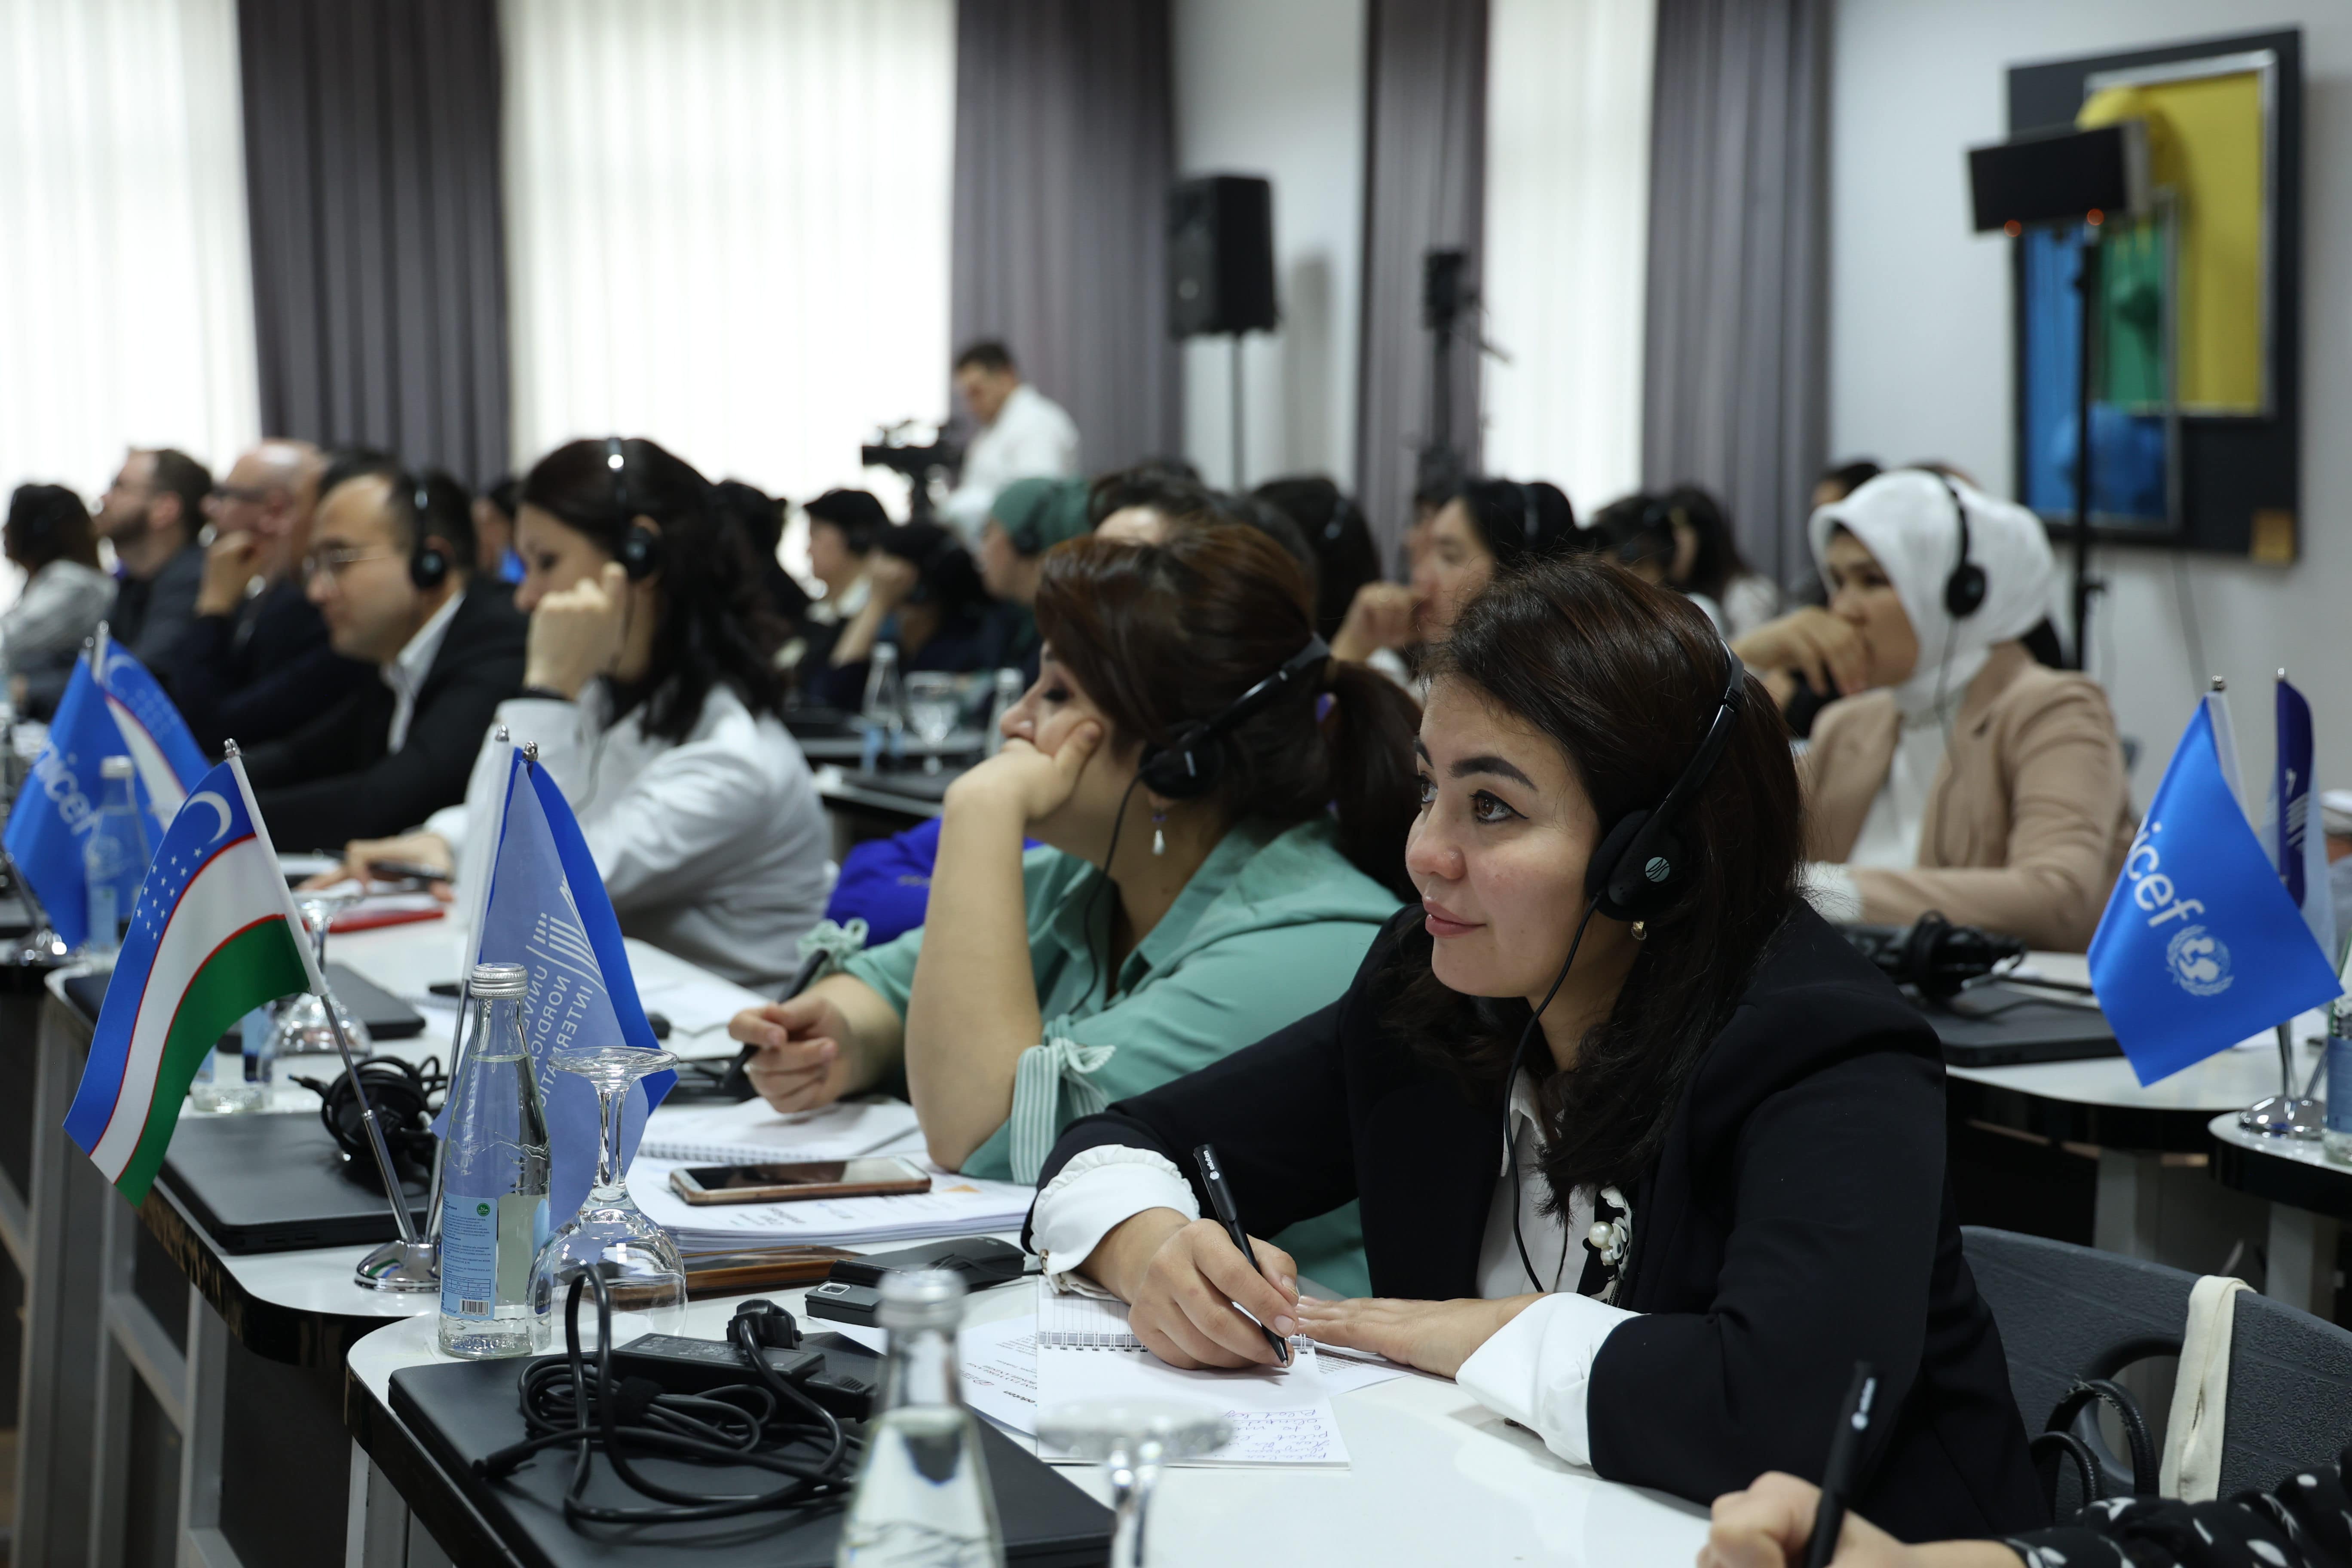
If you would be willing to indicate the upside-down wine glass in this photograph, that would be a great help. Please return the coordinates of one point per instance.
(302, 1028)
(639, 1262)
(1132, 1439)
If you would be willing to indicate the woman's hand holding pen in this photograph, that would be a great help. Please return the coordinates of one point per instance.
(1180, 1280)
(1769, 1524)
(1434, 1336)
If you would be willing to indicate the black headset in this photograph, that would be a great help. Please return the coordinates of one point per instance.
(1186, 767)
(640, 554)
(1964, 589)
(1638, 865)
(1529, 522)
(429, 559)
(405, 1097)
(1639, 862)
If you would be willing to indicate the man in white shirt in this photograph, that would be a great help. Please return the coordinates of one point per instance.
(1024, 435)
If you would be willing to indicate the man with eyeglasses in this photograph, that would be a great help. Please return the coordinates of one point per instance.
(255, 663)
(150, 514)
(390, 568)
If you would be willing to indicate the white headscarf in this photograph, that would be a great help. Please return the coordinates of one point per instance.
(1904, 519)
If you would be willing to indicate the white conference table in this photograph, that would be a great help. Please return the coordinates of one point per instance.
(1433, 1475)
(2153, 1144)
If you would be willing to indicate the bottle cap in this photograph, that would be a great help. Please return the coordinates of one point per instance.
(116, 768)
(924, 1299)
(500, 983)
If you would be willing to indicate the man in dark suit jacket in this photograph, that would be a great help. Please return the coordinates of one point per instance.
(254, 667)
(390, 569)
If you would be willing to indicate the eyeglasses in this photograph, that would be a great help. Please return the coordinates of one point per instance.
(252, 494)
(334, 562)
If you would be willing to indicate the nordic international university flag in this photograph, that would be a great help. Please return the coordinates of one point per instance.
(213, 935)
(2200, 945)
(111, 707)
(542, 905)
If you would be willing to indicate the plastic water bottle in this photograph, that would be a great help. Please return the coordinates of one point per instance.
(885, 708)
(1008, 693)
(493, 1178)
(922, 1493)
(113, 861)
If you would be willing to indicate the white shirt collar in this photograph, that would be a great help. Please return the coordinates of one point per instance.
(405, 674)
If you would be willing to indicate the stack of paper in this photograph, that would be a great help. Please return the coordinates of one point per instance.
(752, 1134)
(956, 1206)
(1280, 1416)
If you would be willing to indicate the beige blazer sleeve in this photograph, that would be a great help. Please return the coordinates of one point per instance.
(2027, 821)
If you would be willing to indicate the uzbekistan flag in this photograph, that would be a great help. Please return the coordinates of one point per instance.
(215, 935)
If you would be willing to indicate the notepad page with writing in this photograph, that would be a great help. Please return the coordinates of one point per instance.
(1280, 1416)
(751, 1134)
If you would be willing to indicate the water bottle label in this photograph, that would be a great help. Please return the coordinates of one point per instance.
(2339, 1085)
(469, 1255)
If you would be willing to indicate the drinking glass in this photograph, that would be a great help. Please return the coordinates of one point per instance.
(302, 1027)
(1132, 1438)
(639, 1262)
(933, 707)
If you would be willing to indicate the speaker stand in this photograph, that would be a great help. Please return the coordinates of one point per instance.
(1237, 401)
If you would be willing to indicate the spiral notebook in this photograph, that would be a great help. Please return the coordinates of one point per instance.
(1281, 1416)
(752, 1134)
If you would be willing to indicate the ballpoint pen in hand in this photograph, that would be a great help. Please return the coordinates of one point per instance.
(1220, 1198)
(1844, 1470)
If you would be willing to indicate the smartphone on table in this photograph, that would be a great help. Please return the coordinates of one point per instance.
(880, 1175)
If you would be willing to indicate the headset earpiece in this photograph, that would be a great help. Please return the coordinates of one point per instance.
(640, 554)
(1964, 589)
(1640, 863)
(428, 562)
(1187, 766)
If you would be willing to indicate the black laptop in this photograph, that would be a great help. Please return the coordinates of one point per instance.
(387, 1017)
(1996, 1024)
(275, 1184)
(463, 1413)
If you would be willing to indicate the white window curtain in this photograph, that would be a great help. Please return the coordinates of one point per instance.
(1568, 203)
(727, 227)
(126, 284)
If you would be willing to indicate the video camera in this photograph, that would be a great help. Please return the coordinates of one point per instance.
(920, 465)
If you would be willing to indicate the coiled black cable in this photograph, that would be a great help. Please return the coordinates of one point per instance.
(740, 1423)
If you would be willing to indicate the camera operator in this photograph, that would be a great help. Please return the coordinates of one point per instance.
(1023, 435)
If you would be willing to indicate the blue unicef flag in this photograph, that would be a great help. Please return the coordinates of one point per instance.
(2200, 946)
(57, 806)
(545, 908)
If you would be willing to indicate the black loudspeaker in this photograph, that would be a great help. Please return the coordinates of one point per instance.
(2060, 179)
(1219, 255)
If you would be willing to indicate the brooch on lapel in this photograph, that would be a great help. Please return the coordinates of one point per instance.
(1611, 1236)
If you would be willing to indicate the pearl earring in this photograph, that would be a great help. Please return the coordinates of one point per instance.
(1159, 839)
(1641, 932)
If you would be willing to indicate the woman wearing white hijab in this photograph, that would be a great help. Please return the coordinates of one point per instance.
(1966, 779)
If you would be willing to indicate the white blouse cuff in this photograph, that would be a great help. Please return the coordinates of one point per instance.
(1538, 1369)
(1090, 1197)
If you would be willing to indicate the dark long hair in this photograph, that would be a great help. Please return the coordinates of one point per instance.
(1337, 532)
(1718, 561)
(1161, 635)
(1520, 523)
(717, 627)
(46, 523)
(1624, 678)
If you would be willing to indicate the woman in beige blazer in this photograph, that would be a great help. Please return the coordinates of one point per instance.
(1965, 778)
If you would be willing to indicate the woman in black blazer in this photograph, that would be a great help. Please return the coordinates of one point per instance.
(1730, 1122)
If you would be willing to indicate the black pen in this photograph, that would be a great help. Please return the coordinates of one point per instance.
(1844, 1467)
(1220, 1198)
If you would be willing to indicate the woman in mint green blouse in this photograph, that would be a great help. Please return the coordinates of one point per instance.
(1174, 913)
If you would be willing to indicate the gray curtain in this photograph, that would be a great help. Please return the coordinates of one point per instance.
(1065, 146)
(1735, 388)
(379, 249)
(1424, 188)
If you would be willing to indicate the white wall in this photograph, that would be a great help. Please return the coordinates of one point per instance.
(1276, 88)
(1920, 337)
